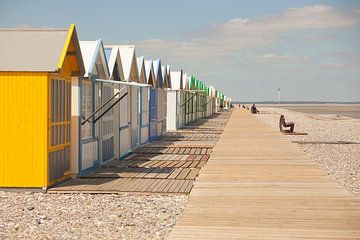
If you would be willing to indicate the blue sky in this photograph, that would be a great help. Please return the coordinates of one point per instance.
(247, 49)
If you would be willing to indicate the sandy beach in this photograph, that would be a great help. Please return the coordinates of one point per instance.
(340, 161)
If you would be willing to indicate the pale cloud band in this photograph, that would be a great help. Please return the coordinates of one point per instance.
(219, 40)
(245, 54)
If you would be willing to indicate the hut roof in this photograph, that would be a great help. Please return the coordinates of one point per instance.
(176, 80)
(114, 62)
(168, 76)
(128, 60)
(141, 69)
(157, 73)
(164, 76)
(39, 50)
(149, 73)
(94, 59)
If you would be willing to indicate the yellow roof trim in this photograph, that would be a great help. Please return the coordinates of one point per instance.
(66, 45)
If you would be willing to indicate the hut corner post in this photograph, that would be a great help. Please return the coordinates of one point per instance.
(75, 125)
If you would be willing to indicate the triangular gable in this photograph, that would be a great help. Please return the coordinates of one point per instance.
(185, 81)
(157, 73)
(141, 69)
(114, 63)
(164, 76)
(213, 92)
(191, 84)
(168, 76)
(176, 80)
(129, 65)
(94, 59)
(71, 53)
(149, 73)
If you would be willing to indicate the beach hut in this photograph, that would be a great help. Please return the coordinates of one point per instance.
(227, 102)
(130, 130)
(165, 70)
(97, 130)
(203, 94)
(161, 98)
(119, 91)
(199, 110)
(193, 99)
(209, 101)
(217, 101)
(186, 99)
(39, 105)
(212, 95)
(150, 79)
(143, 103)
(174, 114)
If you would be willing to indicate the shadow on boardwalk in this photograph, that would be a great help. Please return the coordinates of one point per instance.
(168, 165)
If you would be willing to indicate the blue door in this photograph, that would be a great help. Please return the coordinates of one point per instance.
(153, 114)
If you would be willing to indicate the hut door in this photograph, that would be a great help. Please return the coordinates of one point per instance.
(59, 139)
(144, 115)
(124, 129)
(107, 124)
(134, 117)
(153, 114)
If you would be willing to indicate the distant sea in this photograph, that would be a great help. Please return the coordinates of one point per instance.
(343, 109)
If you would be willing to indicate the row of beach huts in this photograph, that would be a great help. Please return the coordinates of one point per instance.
(67, 106)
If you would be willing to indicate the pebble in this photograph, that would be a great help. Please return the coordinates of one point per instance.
(87, 216)
(340, 161)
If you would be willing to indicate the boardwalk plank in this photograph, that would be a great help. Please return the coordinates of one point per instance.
(274, 192)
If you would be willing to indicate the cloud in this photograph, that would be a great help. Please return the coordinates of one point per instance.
(24, 26)
(356, 10)
(277, 58)
(251, 56)
(217, 41)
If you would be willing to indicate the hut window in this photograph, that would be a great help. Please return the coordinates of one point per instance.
(86, 104)
(107, 93)
(60, 95)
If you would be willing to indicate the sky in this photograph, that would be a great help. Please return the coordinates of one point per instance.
(310, 50)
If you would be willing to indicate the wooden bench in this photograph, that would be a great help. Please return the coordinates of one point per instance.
(283, 124)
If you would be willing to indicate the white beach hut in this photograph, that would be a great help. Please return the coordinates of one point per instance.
(150, 79)
(130, 125)
(143, 103)
(97, 135)
(209, 101)
(116, 75)
(165, 72)
(174, 114)
(161, 98)
(187, 99)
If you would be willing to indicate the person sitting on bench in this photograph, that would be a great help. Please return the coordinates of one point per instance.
(283, 124)
(254, 110)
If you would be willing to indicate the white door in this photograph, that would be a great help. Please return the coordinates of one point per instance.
(107, 124)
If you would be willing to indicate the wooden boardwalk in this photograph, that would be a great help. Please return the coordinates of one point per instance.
(169, 165)
(259, 185)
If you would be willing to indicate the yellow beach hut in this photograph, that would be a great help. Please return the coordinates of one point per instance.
(39, 70)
